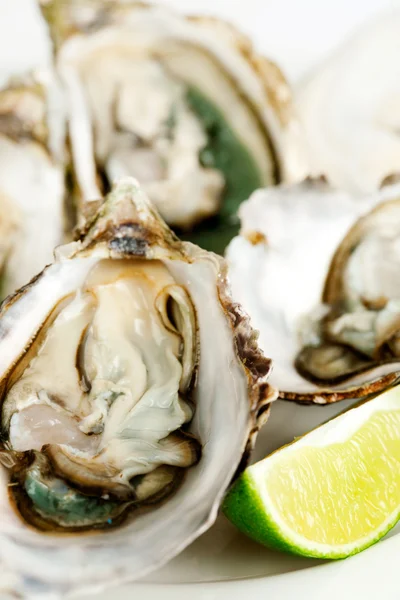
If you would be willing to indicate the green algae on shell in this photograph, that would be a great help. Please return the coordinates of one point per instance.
(226, 152)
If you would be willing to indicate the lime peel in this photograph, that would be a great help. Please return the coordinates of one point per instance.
(340, 483)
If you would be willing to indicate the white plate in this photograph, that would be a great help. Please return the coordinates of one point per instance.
(223, 564)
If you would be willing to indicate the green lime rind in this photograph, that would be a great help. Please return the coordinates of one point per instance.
(244, 507)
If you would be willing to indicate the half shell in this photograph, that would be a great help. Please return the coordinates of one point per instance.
(320, 286)
(220, 397)
(350, 112)
(31, 181)
(183, 104)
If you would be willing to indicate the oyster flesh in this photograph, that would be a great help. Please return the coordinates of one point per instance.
(350, 109)
(128, 378)
(317, 272)
(31, 181)
(183, 104)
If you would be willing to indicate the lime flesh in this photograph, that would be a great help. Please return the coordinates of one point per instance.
(331, 493)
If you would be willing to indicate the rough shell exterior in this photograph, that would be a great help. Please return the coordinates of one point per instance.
(126, 226)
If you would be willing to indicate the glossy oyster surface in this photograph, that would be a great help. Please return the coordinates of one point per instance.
(316, 270)
(350, 112)
(132, 390)
(183, 104)
(362, 296)
(31, 181)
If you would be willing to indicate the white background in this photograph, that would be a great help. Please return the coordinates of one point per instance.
(298, 34)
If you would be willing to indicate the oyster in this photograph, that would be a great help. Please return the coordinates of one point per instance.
(350, 112)
(317, 273)
(128, 376)
(362, 295)
(31, 182)
(183, 104)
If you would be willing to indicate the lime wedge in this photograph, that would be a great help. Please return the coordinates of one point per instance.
(331, 493)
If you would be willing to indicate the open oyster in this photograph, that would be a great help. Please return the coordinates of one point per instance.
(317, 272)
(362, 296)
(31, 182)
(183, 104)
(350, 109)
(127, 376)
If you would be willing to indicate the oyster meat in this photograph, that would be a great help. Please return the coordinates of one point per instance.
(31, 181)
(350, 112)
(183, 104)
(317, 271)
(132, 389)
(362, 297)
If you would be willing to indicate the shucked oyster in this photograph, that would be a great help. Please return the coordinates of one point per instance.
(362, 299)
(183, 104)
(127, 374)
(325, 299)
(31, 183)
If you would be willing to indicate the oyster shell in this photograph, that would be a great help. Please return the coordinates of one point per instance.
(183, 104)
(320, 286)
(31, 181)
(362, 295)
(349, 109)
(127, 374)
